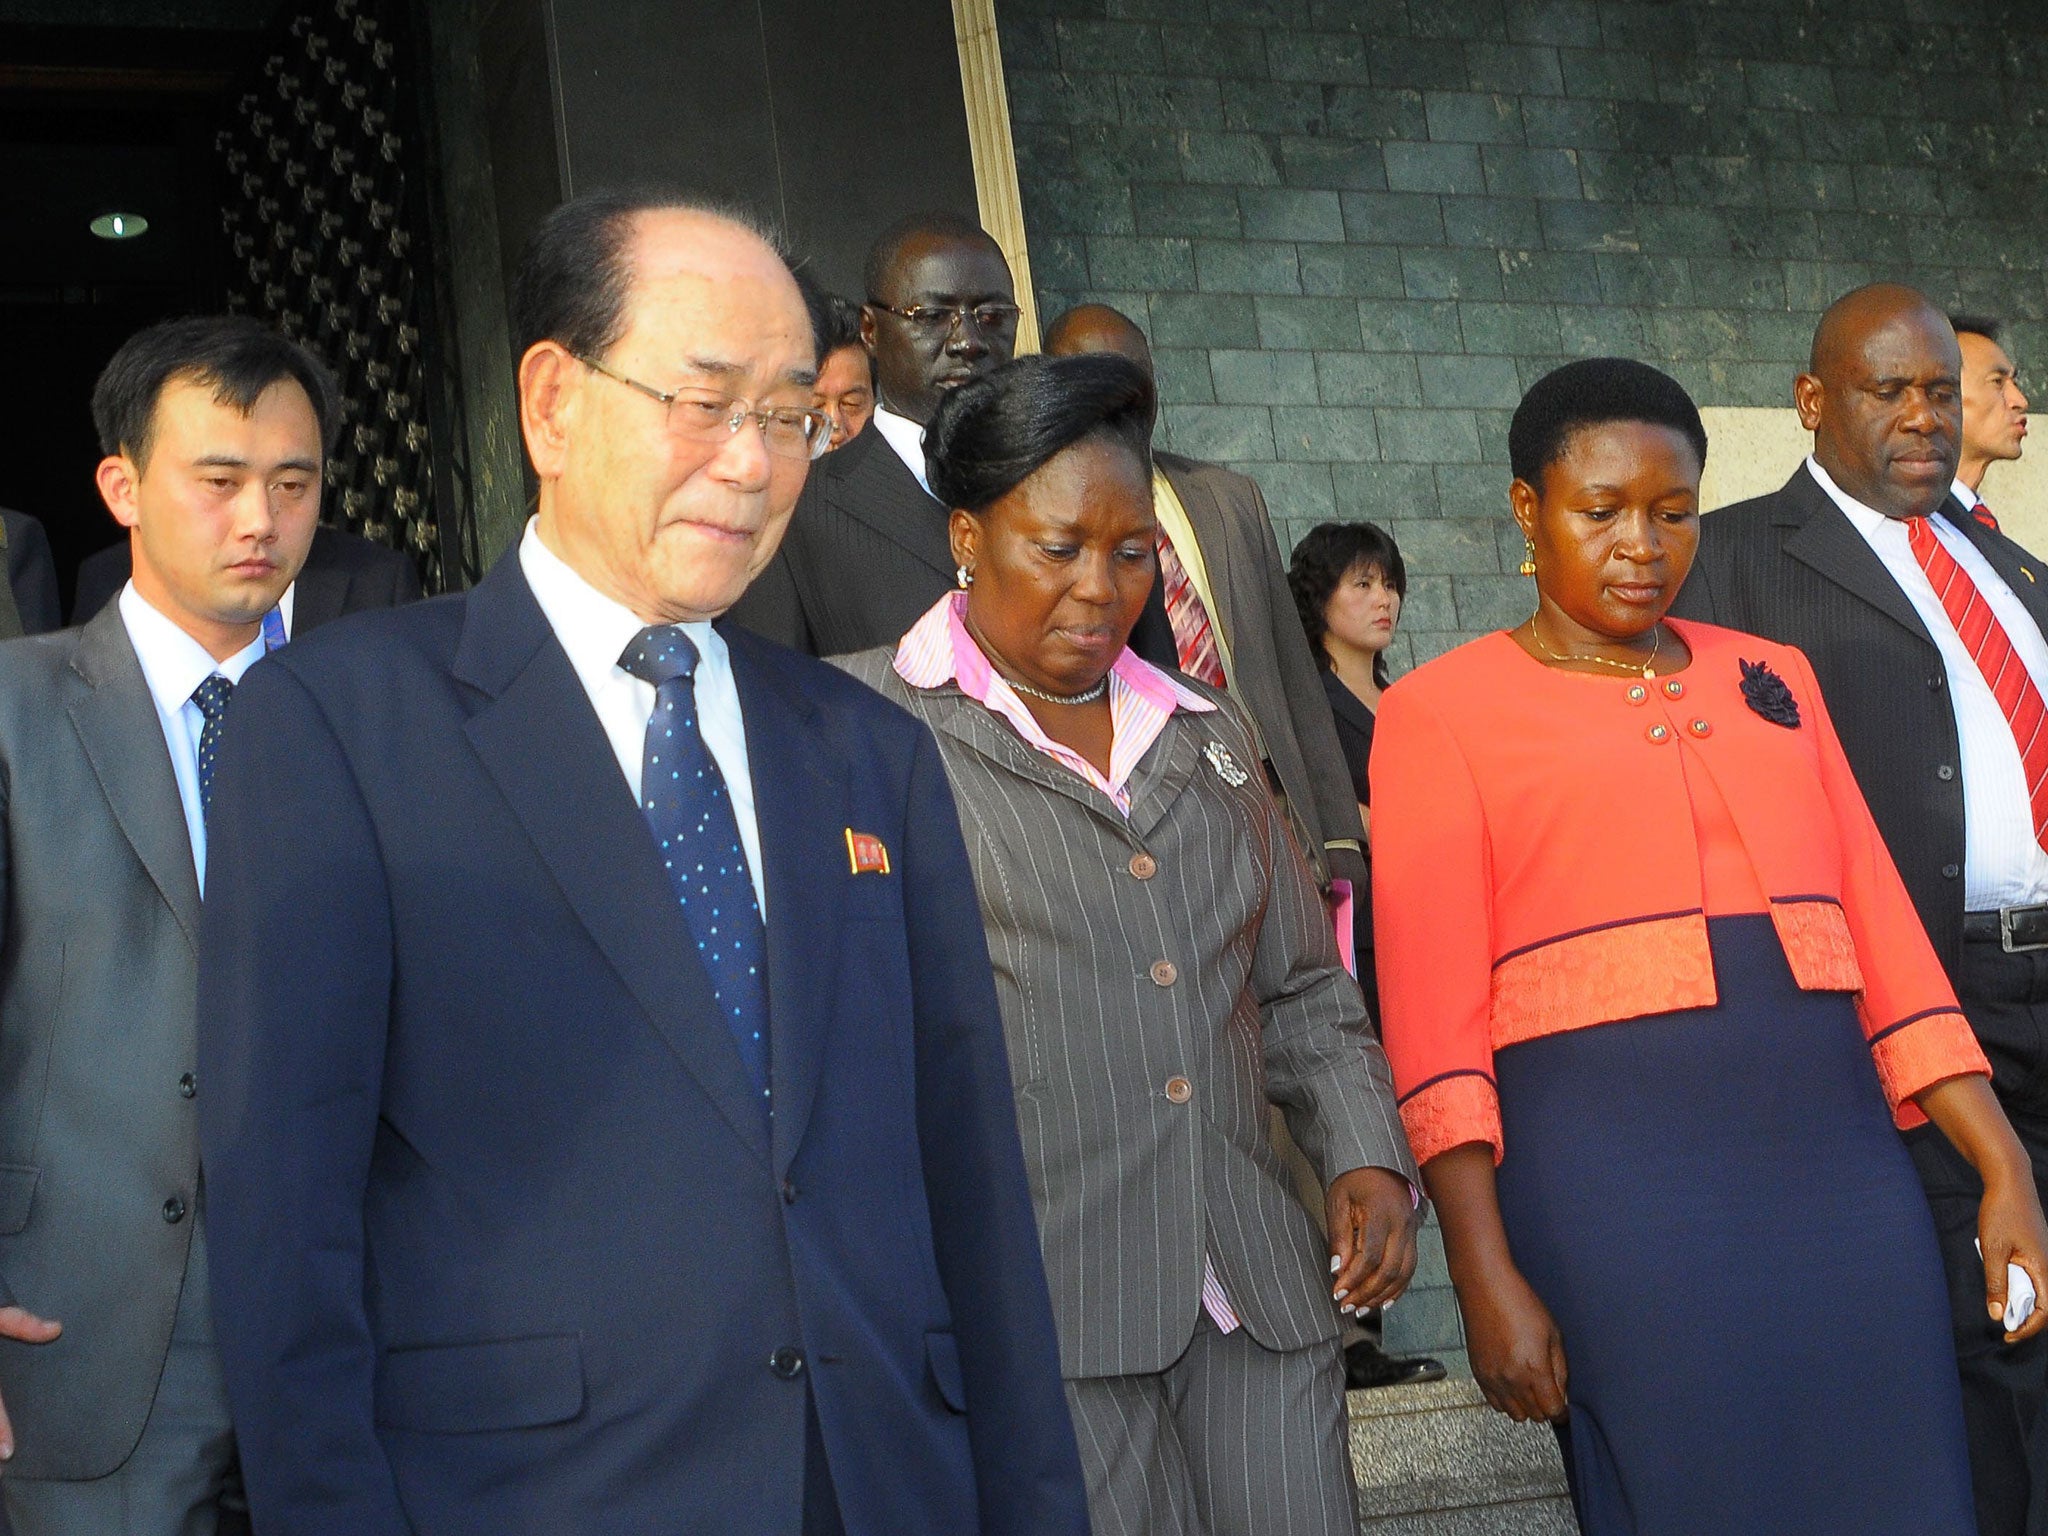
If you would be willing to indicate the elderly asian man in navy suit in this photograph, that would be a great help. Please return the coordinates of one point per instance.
(606, 1112)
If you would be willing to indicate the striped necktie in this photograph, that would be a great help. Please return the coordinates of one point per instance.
(1991, 648)
(1194, 637)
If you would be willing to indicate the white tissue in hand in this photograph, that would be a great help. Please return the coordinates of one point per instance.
(2019, 1294)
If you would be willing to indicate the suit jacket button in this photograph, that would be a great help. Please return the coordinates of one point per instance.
(1950, 871)
(787, 1363)
(1937, 682)
(187, 1086)
(1163, 973)
(1944, 773)
(1179, 1089)
(1144, 866)
(788, 1193)
(1675, 688)
(174, 1210)
(1702, 728)
(1658, 734)
(1638, 694)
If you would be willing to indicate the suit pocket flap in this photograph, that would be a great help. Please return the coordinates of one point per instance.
(17, 1193)
(490, 1384)
(942, 1354)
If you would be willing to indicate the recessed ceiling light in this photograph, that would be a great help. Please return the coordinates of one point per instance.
(120, 226)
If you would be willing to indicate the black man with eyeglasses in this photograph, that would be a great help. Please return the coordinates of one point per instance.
(867, 551)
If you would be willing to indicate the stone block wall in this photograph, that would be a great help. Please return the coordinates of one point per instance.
(1356, 230)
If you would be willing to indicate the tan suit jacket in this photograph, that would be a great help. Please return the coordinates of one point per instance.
(1273, 673)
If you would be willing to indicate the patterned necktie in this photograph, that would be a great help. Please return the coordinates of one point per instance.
(684, 798)
(213, 697)
(1982, 512)
(1194, 637)
(1991, 648)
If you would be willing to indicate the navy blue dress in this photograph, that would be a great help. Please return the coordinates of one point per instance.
(1708, 1201)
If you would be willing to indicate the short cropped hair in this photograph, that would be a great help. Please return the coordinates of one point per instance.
(942, 222)
(995, 431)
(835, 322)
(1591, 393)
(238, 357)
(1326, 556)
(574, 276)
(1987, 326)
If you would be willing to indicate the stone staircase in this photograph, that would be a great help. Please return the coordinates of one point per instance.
(1434, 1460)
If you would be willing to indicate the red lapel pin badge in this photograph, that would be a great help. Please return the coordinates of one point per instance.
(866, 853)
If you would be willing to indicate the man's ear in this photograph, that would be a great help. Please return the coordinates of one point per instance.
(118, 480)
(548, 397)
(1808, 394)
(867, 329)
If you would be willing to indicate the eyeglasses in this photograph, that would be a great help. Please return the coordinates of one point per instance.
(706, 416)
(940, 319)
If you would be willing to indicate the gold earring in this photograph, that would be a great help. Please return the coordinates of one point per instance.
(1528, 565)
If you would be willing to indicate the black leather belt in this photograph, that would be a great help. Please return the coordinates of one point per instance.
(2013, 929)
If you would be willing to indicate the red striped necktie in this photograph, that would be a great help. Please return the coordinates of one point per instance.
(1194, 637)
(1991, 648)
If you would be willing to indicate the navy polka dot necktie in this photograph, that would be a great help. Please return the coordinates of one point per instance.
(684, 798)
(213, 697)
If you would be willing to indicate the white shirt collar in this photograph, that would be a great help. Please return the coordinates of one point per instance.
(594, 629)
(1868, 520)
(1969, 498)
(907, 438)
(173, 663)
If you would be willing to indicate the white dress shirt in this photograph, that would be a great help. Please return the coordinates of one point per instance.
(173, 665)
(2004, 864)
(595, 631)
(907, 438)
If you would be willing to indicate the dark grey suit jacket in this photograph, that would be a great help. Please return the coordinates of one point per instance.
(1272, 672)
(31, 575)
(1790, 567)
(344, 573)
(1133, 1185)
(866, 554)
(98, 966)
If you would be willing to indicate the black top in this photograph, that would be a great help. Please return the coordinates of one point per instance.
(1354, 732)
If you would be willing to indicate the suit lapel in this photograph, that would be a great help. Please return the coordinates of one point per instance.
(123, 739)
(800, 803)
(1212, 535)
(1827, 542)
(877, 489)
(540, 741)
(976, 727)
(2026, 575)
(1169, 768)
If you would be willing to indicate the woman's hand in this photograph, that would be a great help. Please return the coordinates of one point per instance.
(2010, 1230)
(1373, 1220)
(1517, 1352)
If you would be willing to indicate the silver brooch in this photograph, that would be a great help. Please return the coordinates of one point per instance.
(1224, 764)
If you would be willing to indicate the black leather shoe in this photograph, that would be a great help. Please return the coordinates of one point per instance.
(1367, 1365)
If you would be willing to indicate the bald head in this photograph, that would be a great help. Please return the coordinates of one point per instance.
(1098, 328)
(1882, 396)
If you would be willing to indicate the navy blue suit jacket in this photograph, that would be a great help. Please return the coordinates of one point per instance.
(499, 1239)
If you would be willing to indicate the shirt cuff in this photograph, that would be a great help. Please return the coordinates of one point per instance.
(1921, 1050)
(1450, 1110)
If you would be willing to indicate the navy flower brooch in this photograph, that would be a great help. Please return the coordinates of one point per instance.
(1765, 692)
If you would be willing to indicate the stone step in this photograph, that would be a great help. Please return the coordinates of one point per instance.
(1434, 1460)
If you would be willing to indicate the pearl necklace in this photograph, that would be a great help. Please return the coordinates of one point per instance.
(1088, 696)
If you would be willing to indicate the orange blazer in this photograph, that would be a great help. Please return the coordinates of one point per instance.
(1536, 867)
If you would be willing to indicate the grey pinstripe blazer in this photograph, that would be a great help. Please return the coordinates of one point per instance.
(1129, 1185)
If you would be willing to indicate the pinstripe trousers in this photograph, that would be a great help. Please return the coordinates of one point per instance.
(1232, 1439)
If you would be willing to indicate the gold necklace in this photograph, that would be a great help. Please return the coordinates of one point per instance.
(1647, 669)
